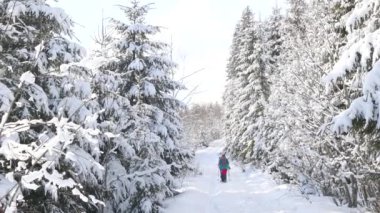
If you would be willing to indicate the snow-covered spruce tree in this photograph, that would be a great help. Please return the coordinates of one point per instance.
(132, 80)
(273, 48)
(288, 142)
(278, 142)
(251, 87)
(359, 67)
(48, 146)
(329, 175)
(239, 62)
(229, 96)
(258, 90)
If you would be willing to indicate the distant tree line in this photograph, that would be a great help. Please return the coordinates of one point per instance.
(202, 123)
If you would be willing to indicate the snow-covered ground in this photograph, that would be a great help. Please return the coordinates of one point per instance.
(245, 192)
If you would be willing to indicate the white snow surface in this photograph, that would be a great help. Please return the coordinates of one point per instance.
(245, 192)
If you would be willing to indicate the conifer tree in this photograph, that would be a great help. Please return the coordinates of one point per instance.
(244, 69)
(49, 147)
(236, 68)
(355, 72)
(143, 155)
(251, 87)
(229, 96)
(272, 42)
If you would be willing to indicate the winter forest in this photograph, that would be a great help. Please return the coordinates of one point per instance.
(104, 131)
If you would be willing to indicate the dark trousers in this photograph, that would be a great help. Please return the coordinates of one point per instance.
(223, 175)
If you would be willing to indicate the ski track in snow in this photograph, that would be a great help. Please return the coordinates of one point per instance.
(245, 192)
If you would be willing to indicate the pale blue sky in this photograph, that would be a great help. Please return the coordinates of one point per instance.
(201, 31)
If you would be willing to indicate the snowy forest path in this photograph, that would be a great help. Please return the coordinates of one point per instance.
(245, 192)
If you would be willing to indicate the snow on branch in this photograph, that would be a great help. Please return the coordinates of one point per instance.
(360, 55)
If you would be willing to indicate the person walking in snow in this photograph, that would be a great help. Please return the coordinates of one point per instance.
(224, 165)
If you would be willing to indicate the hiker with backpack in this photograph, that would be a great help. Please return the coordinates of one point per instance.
(224, 165)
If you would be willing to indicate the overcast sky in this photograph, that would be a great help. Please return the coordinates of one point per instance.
(200, 30)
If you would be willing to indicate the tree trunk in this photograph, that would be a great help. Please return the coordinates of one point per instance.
(348, 196)
(354, 186)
